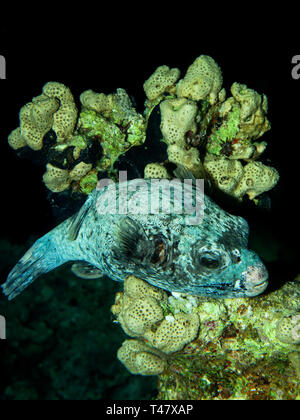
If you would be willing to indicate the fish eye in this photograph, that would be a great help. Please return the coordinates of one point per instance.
(210, 260)
(160, 251)
(237, 255)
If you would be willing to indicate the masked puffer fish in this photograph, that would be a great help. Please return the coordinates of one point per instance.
(209, 258)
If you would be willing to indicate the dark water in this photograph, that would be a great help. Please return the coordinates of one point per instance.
(61, 342)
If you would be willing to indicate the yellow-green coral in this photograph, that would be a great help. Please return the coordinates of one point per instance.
(140, 358)
(89, 182)
(257, 178)
(225, 173)
(162, 80)
(113, 121)
(199, 125)
(174, 332)
(203, 80)
(79, 171)
(288, 329)
(108, 126)
(56, 179)
(16, 140)
(36, 119)
(243, 119)
(54, 108)
(237, 180)
(245, 349)
(98, 102)
(64, 120)
(139, 307)
(155, 170)
(141, 311)
(110, 136)
(229, 129)
(177, 118)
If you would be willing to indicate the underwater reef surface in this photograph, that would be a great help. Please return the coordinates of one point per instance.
(246, 350)
(212, 349)
(61, 343)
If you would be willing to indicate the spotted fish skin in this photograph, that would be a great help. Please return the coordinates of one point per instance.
(208, 259)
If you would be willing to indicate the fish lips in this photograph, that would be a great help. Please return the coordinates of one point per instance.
(254, 280)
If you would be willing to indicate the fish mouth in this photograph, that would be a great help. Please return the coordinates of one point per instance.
(255, 280)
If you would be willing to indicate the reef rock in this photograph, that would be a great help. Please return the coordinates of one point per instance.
(205, 348)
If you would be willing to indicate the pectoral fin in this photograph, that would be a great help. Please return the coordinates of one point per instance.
(85, 270)
(77, 219)
(182, 173)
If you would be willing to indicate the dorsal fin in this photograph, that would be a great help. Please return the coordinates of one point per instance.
(79, 217)
(182, 173)
(86, 270)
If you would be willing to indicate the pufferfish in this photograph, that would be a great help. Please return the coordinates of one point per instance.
(209, 258)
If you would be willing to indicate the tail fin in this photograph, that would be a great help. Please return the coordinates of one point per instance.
(39, 259)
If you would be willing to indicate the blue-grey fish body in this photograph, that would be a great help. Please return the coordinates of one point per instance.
(210, 258)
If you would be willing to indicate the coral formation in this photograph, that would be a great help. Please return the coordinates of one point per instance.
(257, 178)
(56, 179)
(64, 119)
(140, 358)
(143, 312)
(113, 121)
(77, 149)
(205, 348)
(16, 140)
(202, 127)
(162, 80)
(155, 170)
(243, 119)
(225, 173)
(98, 102)
(174, 332)
(210, 135)
(138, 308)
(54, 108)
(36, 119)
(178, 118)
(288, 329)
(232, 177)
(203, 80)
